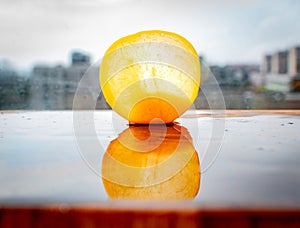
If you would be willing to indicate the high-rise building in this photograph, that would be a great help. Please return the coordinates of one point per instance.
(294, 61)
(80, 58)
(267, 64)
(280, 62)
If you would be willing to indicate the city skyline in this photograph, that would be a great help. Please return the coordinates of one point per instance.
(225, 33)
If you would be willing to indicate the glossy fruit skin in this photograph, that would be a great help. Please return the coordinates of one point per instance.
(140, 165)
(150, 74)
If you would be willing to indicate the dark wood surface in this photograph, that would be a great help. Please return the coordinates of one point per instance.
(129, 217)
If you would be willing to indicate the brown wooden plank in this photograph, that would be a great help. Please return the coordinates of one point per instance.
(122, 217)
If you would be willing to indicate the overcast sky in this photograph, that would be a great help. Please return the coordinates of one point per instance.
(227, 31)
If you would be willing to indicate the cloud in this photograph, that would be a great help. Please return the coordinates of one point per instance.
(224, 31)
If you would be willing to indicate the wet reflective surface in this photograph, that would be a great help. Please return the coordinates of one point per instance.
(151, 164)
(258, 165)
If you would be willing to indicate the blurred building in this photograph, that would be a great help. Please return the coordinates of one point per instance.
(294, 61)
(14, 90)
(54, 87)
(267, 64)
(280, 62)
(79, 58)
(281, 71)
(47, 87)
(233, 75)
